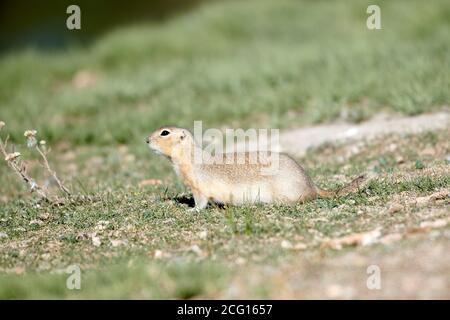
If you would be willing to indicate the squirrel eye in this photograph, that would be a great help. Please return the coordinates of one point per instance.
(164, 133)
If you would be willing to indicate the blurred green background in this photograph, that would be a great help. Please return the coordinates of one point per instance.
(41, 24)
(271, 63)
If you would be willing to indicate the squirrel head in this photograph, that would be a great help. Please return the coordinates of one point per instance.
(171, 142)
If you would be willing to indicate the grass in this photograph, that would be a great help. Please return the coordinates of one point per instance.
(145, 232)
(182, 280)
(226, 65)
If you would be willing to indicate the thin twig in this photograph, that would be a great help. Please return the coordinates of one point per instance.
(20, 170)
(53, 173)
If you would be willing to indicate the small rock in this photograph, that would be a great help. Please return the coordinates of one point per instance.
(101, 225)
(196, 249)
(370, 237)
(395, 207)
(286, 244)
(399, 160)
(158, 254)
(240, 261)
(421, 201)
(96, 241)
(300, 246)
(45, 256)
(36, 222)
(116, 243)
(392, 147)
(82, 236)
(351, 132)
(203, 234)
(44, 216)
(364, 239)
(440, 195)
(3, 235)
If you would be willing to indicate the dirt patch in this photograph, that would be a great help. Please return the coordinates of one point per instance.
(298, 141)
(415, 270)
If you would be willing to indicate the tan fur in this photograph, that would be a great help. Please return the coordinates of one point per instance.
(240, 178)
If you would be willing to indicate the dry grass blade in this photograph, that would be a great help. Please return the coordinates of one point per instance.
(19, 169)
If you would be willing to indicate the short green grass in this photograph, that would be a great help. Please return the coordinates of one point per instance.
(231, 64)
(164, 251)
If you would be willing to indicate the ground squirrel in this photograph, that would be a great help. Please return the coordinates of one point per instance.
(240, 180)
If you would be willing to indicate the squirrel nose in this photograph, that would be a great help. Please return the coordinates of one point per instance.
(147, 140)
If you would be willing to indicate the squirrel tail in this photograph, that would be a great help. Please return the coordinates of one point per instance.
(349, 187)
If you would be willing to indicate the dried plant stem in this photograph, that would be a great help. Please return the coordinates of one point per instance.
(20, 170)
(52, 173)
